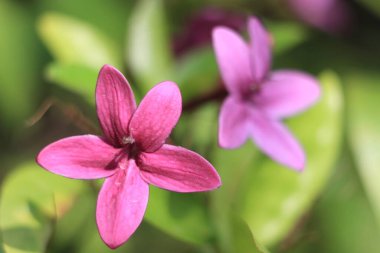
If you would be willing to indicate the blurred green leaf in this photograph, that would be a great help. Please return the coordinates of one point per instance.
(183, 216)
(197, 73)
(340, 221)
(77, 78)
(32, 200)
(197, 129)
(272, 198)
(71, 230)
(286, 35)
(243, 241)
(345, 220)
(372, 5)
(236, 235)
(75, 42)
(87, 237)
(109, 18)
(149, 54)
(20, 61)
(233, 166)
(364, 130)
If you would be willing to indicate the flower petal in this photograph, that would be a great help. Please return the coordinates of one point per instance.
(121, 205)
(232, 55)
(178, 169)
(276, 141)
(233, 123)
(287, 92)
(80, 157)
(260, 49)
(156, 116)
(115, 104)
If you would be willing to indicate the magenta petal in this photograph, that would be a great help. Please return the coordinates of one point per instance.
(178, 169)
(260, 49)
(156, 116)
(286, 93)
(80, 157)
(121, 205)
(276, 141)
(115, 104)
(233, 123)
(232, 55)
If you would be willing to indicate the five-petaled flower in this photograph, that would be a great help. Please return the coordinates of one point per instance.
(258, 99)
(131, 155)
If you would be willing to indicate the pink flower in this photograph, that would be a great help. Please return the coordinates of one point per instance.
(197, 31)
(331, 16)
(258, 99)
(131, 155)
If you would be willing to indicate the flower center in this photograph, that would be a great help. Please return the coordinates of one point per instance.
(130, 147)
(250, 94)
(127, 140)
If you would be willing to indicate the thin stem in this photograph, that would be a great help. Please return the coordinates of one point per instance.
(70, 111)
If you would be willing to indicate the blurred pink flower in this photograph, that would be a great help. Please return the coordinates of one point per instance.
(331, 16)
(131, 155)
(258, 99)
(198, 30)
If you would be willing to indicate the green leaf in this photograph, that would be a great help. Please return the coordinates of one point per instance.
(196, 130)
(372, 5)
(32, 199)
(77, 78)
(235, 235)
(243, 241)
(272, 198)
(363, 131)
(344, 218)
(149, 54)
(20, 61)
(183, 216)
(197, 73)
(71, 230)
(75, 42)
(287, 35)
(109, 18)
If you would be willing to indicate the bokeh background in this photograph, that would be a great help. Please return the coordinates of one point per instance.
(50, 54)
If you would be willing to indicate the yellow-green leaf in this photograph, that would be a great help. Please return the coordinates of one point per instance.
(148, 44)
(31, 200)
(73, 41)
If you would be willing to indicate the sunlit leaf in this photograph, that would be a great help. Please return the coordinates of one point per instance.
(77, 78)
(109, 18)
(364, 130)
(32, 200)
(148, 44)
(72, 41)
